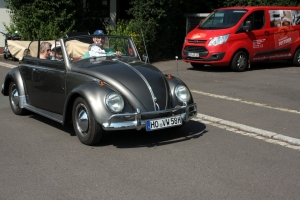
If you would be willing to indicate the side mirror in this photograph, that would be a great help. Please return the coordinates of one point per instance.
(145, 58)
(248, 26)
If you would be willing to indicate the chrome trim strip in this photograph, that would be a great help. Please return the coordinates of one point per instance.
(50, 115)
(145, 80)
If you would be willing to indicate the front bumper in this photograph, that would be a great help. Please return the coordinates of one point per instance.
(188, 111)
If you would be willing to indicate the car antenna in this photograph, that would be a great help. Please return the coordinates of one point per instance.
(147, 57)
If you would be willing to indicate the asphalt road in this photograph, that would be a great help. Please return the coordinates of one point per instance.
(40, 159)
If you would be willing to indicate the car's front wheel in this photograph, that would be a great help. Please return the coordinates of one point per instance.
(14, 99)
(296, 59)
(87, 129)
(239, 61)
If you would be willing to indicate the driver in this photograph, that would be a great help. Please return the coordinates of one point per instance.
(97, 48)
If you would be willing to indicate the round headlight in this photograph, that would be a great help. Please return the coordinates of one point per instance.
(182, 93)
(114, 102)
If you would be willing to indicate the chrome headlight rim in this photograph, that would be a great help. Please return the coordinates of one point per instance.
(114, 101)
(182, 93)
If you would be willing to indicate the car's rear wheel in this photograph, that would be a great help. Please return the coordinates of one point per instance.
(239, 61)
(87, 129)
(197, 65)
(14, 99)
(296, 59)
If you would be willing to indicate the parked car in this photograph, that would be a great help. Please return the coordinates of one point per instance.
(97, 89)
(238, 36)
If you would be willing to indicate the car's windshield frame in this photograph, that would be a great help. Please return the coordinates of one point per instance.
(82, 47)
(222, 19)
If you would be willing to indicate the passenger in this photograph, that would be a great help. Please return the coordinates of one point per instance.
(45, 48)
(56, 52)
(97, 48)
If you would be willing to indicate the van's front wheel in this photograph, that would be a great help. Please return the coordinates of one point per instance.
(239, 61)
(296, 59)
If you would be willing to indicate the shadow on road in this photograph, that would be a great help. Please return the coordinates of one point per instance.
(133, 138)
(254, 67)
(136, 139)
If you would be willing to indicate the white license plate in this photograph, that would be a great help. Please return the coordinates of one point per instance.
(163, 123)
(193, 54)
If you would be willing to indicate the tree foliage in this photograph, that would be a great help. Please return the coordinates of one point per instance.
(163, 23)
(51, 19)
(42, 19)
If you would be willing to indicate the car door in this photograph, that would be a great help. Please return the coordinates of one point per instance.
(283, 34)
(258, 36)
(48, 82)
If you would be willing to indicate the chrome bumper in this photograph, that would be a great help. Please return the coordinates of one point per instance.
(138, 123)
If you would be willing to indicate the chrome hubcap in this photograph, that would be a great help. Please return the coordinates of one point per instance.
(14, 96)
(241, 61)
(82, 119)
(298, 58)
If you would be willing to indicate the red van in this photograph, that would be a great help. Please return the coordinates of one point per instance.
(238, 36)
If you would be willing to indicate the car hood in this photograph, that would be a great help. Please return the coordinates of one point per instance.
(143, 85)
(201, 34)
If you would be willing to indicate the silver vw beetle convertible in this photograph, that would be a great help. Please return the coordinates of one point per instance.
(98, 85)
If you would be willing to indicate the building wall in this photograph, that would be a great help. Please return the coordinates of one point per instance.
(4, 18)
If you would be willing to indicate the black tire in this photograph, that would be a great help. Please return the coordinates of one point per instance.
(296, 59)
(239, 61)
(87, 129)
(5, 56)
(14, 99)
(197, 66)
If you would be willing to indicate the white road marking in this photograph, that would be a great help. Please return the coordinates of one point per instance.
(7, 65)
(267, 136)
(245, 101)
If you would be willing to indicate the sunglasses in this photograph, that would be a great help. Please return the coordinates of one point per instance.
(48, 50)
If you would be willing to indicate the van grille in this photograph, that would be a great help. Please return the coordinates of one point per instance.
(195, 49)
(197, 41)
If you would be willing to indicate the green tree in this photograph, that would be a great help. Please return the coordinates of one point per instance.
(163, 23)
(42, 19)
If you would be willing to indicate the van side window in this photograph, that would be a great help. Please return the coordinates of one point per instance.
(257, 19)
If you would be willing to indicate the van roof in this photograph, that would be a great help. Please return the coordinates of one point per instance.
(261, 7)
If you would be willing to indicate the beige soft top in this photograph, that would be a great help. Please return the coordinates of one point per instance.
(75, 48)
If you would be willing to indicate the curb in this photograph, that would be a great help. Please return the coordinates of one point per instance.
(249, 129)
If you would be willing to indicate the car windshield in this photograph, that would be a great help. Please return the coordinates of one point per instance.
(88, 46)
(221, 19)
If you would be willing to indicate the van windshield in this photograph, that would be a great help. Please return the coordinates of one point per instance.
(221, 19)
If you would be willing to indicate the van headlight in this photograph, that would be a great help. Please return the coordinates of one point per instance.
(182, 93)
(114, 102)
(218, 40)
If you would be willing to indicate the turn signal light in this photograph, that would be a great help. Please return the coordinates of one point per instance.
(169, 76)
(102, 83)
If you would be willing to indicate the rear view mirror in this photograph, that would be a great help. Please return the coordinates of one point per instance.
(248, 26)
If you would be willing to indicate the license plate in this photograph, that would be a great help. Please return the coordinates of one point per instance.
(193, 54)
(163, 123)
